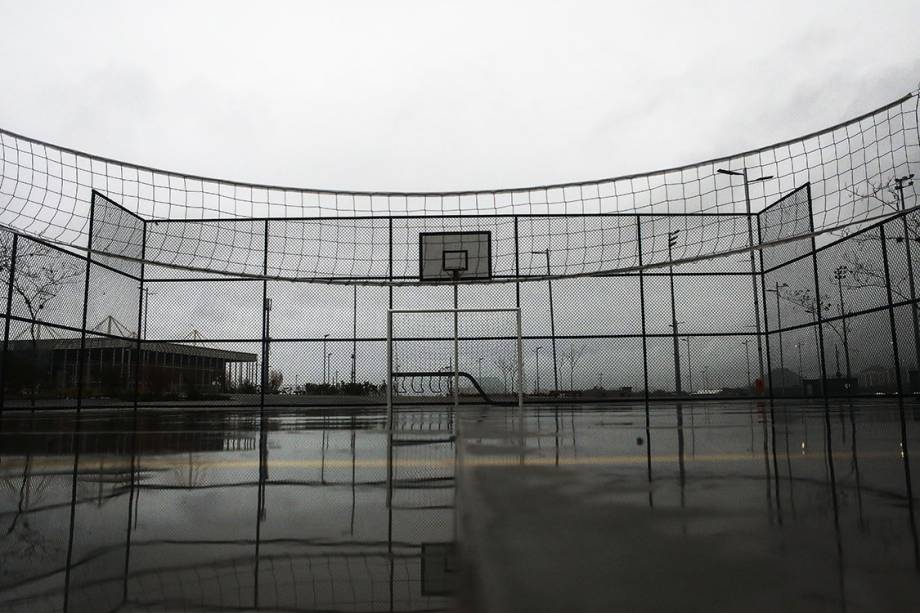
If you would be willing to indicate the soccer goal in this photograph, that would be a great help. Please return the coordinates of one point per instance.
(451, 353)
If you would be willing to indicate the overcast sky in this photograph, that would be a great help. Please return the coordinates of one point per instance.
(442, 95)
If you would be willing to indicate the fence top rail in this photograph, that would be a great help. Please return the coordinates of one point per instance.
(510, 310)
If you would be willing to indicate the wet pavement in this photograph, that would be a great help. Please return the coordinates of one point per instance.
(700, 506)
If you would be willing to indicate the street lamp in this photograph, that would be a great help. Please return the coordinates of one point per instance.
(672, 241)
(686, 339)
(354, 338)
(329, 367)
(747, 202)
(537, 353)
(840, 273)
(779, 327)
(147, 295)
(552, 317)
(479, 369)
(747, 356)
(266, 341)
(325, 336)
(801, 373)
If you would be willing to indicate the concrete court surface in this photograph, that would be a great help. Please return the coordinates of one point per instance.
(732, 507)
(704, 506)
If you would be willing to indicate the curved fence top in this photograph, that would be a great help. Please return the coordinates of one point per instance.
(852, 168)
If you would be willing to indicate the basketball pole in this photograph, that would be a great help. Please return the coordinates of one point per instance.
(455, 274)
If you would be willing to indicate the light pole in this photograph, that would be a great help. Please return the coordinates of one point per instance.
(266, 341)
(329, 367)
(900, 184)
(747, 202)
(503, 369)
(479, 370)
(325, 336)
(801, 374)
(537, 353)
(686, 339)
(779, 328)
(747, 356)
(552, 316)
(672, 240)
(354, 338)
(840, 273)
(147, 294)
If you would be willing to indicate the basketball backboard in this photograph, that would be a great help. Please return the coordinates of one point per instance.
(455, 255)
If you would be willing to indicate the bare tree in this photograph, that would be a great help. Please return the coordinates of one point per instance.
(805, 299)
(40, 274)
(865, 261)
(573, 355)
(275, 379)
(505, 369)
(882, 192)
(866, 264)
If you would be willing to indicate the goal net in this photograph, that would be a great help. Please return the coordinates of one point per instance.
(455, 354)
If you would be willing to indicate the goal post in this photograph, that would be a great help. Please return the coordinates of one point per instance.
(434, 345)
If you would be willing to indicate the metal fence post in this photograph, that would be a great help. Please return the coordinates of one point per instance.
(81, 376)
(520, 361)
(517, 274)
(264, 374)
(141, 320)
(390, 262)
(263, 439)
(82, 358)
(766, 321)
(642, 305)
(552, 323)
(818, 315)
(6, 322)
(894, 328)
(389, 378)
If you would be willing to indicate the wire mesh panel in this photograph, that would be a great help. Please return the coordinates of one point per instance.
(120, 232)
(789, 216)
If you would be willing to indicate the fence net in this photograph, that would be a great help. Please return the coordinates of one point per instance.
(117, 304)
(223, 227)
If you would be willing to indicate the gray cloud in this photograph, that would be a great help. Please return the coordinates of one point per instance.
(437, 95)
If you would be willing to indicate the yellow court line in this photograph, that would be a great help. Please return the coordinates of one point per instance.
(7, 468)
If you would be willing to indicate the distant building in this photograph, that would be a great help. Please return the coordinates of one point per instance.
(50, 365)
(785, 381)
(878, 378)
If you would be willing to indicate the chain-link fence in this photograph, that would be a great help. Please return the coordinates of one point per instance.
(796, 319)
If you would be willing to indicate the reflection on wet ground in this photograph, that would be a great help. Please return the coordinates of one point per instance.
(714, 505)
